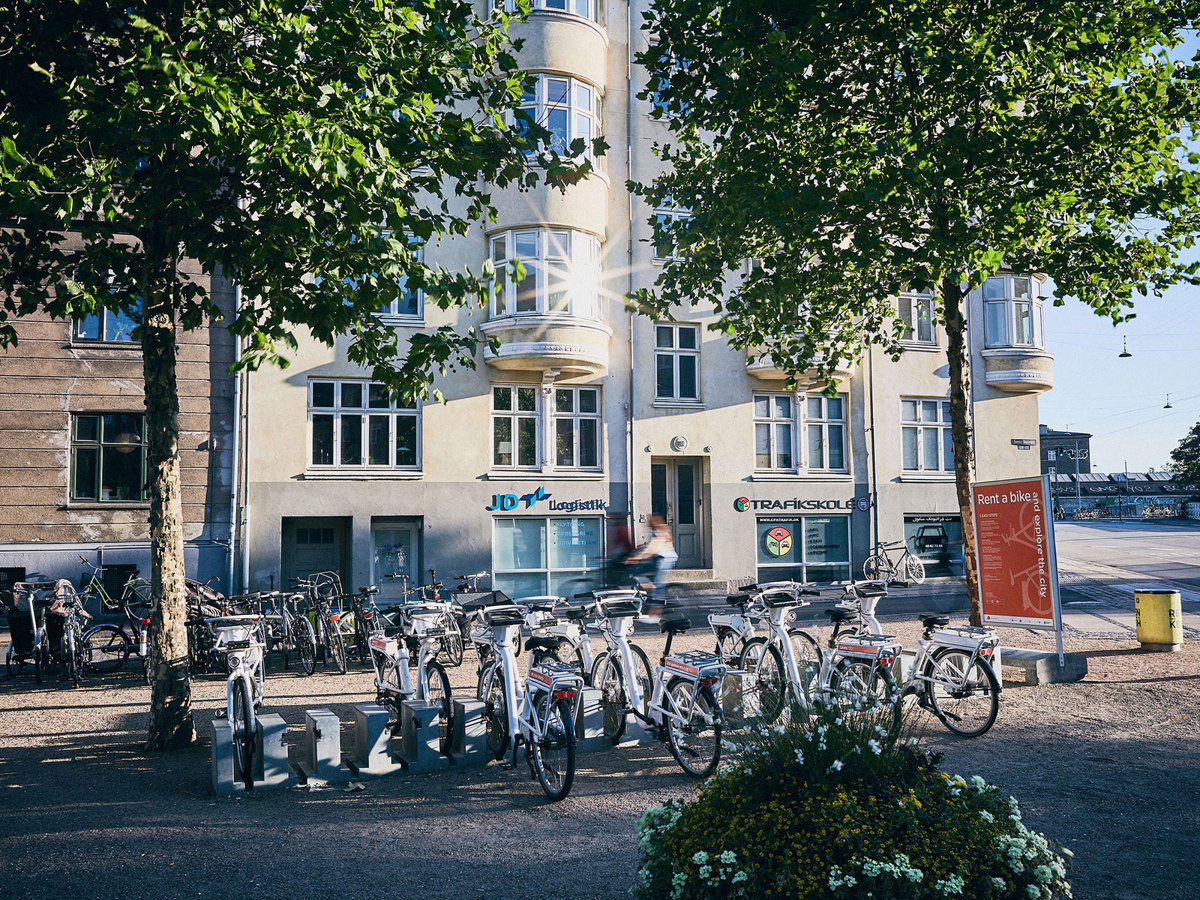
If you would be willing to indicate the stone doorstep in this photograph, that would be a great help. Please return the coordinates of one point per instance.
(1041, 666)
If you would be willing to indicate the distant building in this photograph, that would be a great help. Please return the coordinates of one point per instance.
(1058, 451)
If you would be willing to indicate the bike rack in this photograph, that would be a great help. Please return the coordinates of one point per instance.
(270, 757)
(373, 742)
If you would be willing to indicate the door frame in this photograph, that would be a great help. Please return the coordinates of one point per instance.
(671, 466)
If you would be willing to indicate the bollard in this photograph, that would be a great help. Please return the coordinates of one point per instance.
(321, 755)
(421, 737)
(469, 744)
(373, 741)
(271, 759)
(589, 722)
(1159, 617)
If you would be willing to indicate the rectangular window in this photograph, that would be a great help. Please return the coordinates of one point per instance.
(409, 300)
(916, 312)
(926, 440)
(937, 540)
(774, 432)
(804, 548)
(1051, 455)
(677, 362)
(515, 426)
(1012, 313)
(826, 426)
(535, 556)
(109, 325)
(561, 277)
(577, 428)
(667, 221)
(360, 425)
(108, 457)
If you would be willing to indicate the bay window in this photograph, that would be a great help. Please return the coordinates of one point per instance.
(561, 277)
(1012, 313)
(566, 107)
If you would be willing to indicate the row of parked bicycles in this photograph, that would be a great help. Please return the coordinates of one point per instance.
(778, 666)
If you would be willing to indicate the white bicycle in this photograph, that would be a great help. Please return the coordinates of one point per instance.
(239, 639)
(676, 699)
(538, 712)
(429, 626)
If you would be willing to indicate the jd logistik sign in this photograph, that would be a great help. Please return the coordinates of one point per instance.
(508, 502)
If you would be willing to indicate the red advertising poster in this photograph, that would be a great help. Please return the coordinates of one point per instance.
(1014, 535)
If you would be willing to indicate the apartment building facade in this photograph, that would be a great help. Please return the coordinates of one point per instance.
(73, 447)
(587, 411)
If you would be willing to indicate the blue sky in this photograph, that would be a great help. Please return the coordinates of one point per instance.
(1120, 401)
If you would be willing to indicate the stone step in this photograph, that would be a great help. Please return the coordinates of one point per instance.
(1040, 666)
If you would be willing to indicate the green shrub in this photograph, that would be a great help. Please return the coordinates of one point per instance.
(834, 809)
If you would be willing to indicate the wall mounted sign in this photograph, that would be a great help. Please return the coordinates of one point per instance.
(509, 502)
(743, 504)
(1024, 443)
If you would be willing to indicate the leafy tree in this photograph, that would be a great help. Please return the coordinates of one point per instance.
(297, 146)
(858, 150)
(1185, 459)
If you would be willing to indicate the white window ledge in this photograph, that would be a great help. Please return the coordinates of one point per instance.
(402, 321)
(679, 404)
(551, 475)
(838, 477)
(921, 346)
(943, 477)
(362, 476)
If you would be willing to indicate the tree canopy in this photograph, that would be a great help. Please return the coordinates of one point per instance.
(1185, 458)
(855, 151)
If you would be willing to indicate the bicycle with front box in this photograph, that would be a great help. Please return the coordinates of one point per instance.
(239, 640)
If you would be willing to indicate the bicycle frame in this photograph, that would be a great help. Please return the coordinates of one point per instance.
(237, 638)
(699, 667)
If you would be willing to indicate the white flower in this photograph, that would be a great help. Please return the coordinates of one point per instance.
(678, 883)
(800, 757)
(836, 766)
(857, 749)
(986, 816)
(728, 857)
(1016, 865)
(704, 871)
(998, 883)
(978, 783)
(837, 721)
(1033, 891)
(876, 747)
(700, 857)
(739, 877)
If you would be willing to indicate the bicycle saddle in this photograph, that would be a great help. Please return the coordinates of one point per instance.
(738, 599)
(674, 623)
(503, 616)
(541, 643)
(840, 615)
(575, 613)
(934, 620)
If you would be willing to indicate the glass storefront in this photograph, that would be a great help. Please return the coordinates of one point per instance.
(938, 541)
(803, 548)
(534, 556)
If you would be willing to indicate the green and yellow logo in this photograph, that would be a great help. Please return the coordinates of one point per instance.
(778, 541)
(741, 504)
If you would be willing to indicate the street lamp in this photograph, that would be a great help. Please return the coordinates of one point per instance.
(1168, 405)
(1124, 354)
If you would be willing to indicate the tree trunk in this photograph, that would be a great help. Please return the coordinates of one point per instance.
(959, 358)
(171, 723)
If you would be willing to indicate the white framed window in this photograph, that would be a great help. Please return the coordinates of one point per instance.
(516, 430)
(566, 107)
(1051, 455)
(657, 103)
(926, 441)
(804, 548)
(916, 312)
(577, 427)
(359, 425)
(775, 432)
(825, 426)
(666, 220)
(533, 556)
(676, 362)
(562, 273)
(585, 9)
(409, 302)
(1012, 313)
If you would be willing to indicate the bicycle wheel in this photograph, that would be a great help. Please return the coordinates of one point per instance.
(305, 643)
(337, 647)
(876, 567)
(72, 655)
(452, 647)
(569, 653)
(807, 650)
(554, 753)
(860, 687)
(614, 700)
(763, 660)
(105, 648)
(438, 691)
(914, 569)
(693, 729)
(495, 713)
(728, 642)
(964, 693)
(243, 732)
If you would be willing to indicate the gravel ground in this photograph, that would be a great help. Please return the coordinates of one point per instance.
(1109, 766)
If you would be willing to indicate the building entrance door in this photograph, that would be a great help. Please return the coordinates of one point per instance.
(313, 545)
(675, 494)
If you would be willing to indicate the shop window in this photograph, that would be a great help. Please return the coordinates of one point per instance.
(360, 425)
(937, 541)
(535, 556)
(813, 549)
(108, 457)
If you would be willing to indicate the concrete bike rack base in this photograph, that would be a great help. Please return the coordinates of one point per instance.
(469, 745)
(270, 756)
(421, 736)
(373, 742)
(321, 752)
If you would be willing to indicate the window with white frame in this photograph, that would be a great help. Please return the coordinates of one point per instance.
(409, 300)
(537, 555)
(667, 219)
(577, 427)
(775, 432)
(515, 426)
(585, 9)
(825, 424)
(926, 440)
(677, 362)
(360, 425)
(562, 273)
(1012, 313)
(916, 312)
(567, 108)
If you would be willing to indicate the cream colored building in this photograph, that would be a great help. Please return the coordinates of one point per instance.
(586, 409)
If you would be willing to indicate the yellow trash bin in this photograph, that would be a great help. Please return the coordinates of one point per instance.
(1159, 617)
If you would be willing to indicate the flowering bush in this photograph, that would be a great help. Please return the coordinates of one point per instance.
(833, 808)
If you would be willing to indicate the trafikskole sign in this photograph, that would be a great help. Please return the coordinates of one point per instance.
(509, 502)
(744, 504)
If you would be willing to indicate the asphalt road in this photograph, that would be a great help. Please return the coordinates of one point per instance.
(1152, 550)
